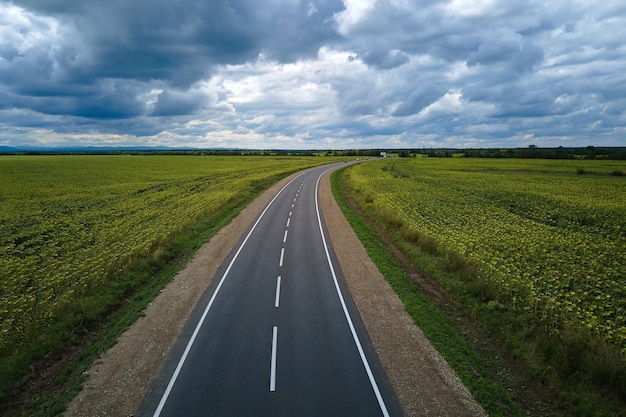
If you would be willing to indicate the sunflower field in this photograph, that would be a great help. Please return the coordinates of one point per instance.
(549, 237)
(70, 222)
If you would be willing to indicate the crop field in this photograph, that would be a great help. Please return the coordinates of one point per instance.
(548, 237)
(69, 223)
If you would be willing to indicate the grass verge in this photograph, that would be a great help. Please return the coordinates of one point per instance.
(40, 378)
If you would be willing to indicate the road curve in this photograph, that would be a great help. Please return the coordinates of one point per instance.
(276, 333)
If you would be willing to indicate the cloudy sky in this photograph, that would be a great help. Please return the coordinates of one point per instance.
(313, 74)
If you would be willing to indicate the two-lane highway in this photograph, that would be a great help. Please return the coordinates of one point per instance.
(276, 333)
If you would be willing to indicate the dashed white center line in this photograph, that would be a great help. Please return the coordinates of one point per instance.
(282, 256)
(277, 299)
(273, 364)
(285, 237)
(288, 221)
(192, 339)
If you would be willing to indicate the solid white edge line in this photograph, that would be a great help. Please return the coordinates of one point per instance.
(277, 299)
(366, 364)
(170, 385)
(273, 364)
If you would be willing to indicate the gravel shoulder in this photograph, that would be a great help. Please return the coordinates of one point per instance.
(424, 383)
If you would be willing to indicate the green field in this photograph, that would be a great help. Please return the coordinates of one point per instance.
(537, 248)
(68, 224)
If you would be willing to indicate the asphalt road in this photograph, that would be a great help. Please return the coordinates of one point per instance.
(276, 333)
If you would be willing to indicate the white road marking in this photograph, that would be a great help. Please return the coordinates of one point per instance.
(273, 364)
(292, 205)
(183, 358)
(368, 369)
(282, 256)
(285, 237)
(290, 213)
(277, 299)
(288, 221)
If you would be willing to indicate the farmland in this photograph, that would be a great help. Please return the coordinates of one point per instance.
(538, 248)
(70, 224)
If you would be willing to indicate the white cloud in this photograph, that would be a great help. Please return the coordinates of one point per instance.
(470, 7)
(355, 12)
(312, 9)
(23, 31)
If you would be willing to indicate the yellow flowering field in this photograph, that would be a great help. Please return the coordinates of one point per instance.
(550, 241)
(68, 223)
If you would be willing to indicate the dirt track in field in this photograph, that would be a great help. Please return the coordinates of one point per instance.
(424, 383)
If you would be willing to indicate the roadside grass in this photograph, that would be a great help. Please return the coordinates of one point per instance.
(473, 370)
(93, 323)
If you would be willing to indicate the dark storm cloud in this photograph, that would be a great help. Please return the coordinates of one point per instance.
(516, 53)
(383, 58)
(182, 41)
(176, 43)
(172, 103)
